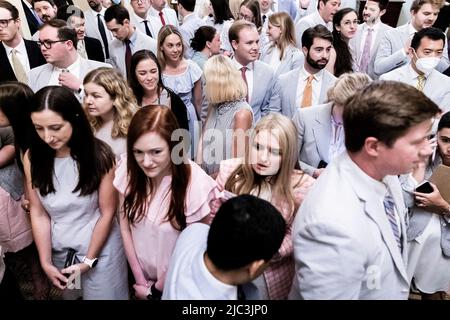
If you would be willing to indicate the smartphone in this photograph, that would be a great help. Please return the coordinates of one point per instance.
(425, 187)
(322, 164)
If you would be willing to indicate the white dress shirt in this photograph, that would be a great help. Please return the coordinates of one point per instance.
(74, 69)
(249, 75)
(21, 53)
(169, 18)
(316, 86)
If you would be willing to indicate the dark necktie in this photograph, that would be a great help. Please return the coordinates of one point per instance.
(264, 17)
(240, 293)
(127, 56)
(147, 30)
(101, 28)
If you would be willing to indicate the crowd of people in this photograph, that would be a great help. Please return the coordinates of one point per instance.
(255, 149)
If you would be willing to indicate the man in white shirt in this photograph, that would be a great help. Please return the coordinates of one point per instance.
(140, 16)
(17, 55)
(349, 235)
(324, 16)
(394, 46)
(160, 15)
(308, 85)
(262, 83)
(426, 50)
(95, 25)
(214, 263)
(127, 40)
(365, 43)
(64, 65)
(191, 23)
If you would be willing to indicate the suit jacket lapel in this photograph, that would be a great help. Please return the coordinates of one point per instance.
(7, 71)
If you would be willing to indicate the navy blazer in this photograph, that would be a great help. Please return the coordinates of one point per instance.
(34, 57)
(94, 49)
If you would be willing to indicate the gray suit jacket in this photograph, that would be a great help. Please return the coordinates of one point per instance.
(390, 54)
(92, 31)
(266, 91)
(293, 58)
(289, 6)
(344, 247)
(289, 84)
(313, 135)
(355, 46)
(117, 50)
(40, 76)
(306, 22)
(437, 85)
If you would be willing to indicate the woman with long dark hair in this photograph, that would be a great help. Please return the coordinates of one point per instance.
(161, 193)
(73, 203)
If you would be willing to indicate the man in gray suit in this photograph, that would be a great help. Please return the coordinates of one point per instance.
(262, 83)
(317, 42)
(394, 46)
(323, 16)
(191, 22)
(426, 50)
(349, 235)
(364, 44)
(128, 38)
(64, 65)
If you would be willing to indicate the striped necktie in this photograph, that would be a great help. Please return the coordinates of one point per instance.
(389, 207)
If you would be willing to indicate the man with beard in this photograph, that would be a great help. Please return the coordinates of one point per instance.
(95, 25)
(308, 85)
(394, 46)
(263, 86)
(364, 44)
(46, 10)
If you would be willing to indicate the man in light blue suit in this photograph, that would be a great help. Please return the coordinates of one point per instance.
(118, 22)
(317, 44)
(262, 83)
(64, 65)
(394, 46)
(349, 235)
(191, 22)
(427, 46)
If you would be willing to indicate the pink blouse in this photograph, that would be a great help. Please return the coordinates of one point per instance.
(154, 237)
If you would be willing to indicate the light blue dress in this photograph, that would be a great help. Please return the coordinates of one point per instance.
(73, 219)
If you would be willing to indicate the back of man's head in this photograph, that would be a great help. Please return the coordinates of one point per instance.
(385, 110)
(188, 5)
(244, 230)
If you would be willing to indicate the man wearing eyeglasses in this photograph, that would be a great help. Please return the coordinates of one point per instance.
(64, 65)
(17, 55)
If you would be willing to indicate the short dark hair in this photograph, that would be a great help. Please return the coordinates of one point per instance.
(52, 3)
(444, 122)
(118, 12)
(12, 9)
(201, 36)
(64, 32)
(382, 4)
(384, 110)
(67, 11)
(221, 10)
(244, 230)
(319, 31)
(431, 33)
(189, 5)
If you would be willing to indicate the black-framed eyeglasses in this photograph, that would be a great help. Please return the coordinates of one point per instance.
(48, 43)
(5, 22)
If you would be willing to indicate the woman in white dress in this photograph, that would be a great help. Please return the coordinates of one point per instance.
(109, 104)
(429, 228)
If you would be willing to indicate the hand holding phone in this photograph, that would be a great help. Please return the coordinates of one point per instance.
(425, 187)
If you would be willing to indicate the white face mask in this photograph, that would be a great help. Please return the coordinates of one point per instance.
(426, 65)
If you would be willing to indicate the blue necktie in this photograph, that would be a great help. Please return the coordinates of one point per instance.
(389, 206)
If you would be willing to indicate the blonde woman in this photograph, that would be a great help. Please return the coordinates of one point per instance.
(267, 171)
(281, 53)
(320, 129)
(109, 104)
(229, 115)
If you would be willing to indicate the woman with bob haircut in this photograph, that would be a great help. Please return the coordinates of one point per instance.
(229, 115)
(281, 53)
(267, 171)
(146, 83)
(181, 75)
(73, 203)
(206, 43)
(109, 104)
(161, 192)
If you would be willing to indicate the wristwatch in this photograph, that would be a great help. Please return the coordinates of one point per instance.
(90, 262)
